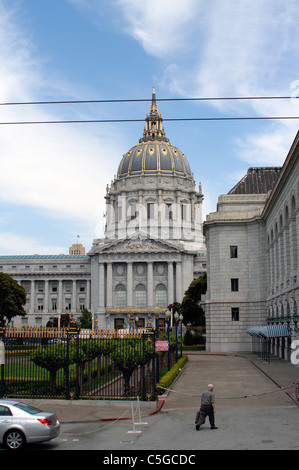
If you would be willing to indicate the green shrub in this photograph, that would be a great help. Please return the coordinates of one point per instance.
(168, 378)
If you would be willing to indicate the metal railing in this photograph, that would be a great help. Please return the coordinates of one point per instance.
(71, 364)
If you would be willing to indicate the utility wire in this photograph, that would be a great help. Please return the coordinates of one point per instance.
(149, 100)
(86, 121)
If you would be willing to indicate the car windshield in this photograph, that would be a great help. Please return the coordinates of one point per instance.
(28, 408)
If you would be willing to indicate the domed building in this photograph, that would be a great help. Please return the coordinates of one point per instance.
(153, 246)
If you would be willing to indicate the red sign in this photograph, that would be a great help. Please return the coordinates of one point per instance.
(161, 345)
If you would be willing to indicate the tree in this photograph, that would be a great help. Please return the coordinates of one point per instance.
(128, 355)
(53, 358)
(190, 309)
(12, 299)
(85, 321)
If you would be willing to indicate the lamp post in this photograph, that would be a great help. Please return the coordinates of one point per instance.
(176, 318)
(181, 320)
(157, 313)
(168, 316)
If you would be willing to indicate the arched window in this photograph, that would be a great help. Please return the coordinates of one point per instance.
(120, 296)
(161, 296)
(140, 296)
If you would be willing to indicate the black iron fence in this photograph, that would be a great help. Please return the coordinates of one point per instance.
(70, 364)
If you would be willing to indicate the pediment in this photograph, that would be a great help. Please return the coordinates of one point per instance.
(137, 244)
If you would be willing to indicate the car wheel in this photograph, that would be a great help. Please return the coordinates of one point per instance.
(14, 439)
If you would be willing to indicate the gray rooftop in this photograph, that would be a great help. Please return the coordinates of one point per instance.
(258, 180)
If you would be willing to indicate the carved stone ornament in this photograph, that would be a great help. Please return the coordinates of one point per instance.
(139, 245)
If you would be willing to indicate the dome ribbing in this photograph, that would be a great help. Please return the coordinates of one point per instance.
(154, 153)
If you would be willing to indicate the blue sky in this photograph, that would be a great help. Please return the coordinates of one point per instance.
(53, 177)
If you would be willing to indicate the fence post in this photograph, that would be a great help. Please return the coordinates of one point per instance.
(2, 360)
(67, 368)
(143, 368)
(78, 385)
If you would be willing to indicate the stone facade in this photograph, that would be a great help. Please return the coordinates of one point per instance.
(54, 285)
(252, 256)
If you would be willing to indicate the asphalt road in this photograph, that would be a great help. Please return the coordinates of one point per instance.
(252, 413)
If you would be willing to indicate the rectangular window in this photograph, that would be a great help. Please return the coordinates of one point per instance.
(235, 314)
(168, 213)
(133, 211)
(234, 285)
(68, 286)
(150, 210)
(184, 212)
(234, 252)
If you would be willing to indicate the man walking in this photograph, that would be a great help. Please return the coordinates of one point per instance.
(207, 408)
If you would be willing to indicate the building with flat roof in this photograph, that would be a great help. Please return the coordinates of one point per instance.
(252, 258)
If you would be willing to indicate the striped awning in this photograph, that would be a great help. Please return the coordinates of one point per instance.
(269, 331)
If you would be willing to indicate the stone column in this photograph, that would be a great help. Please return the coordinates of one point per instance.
(170, 283)
(88, 306)
(150, 284)
(74, 296)
(178, 282)
(32, 296)
(60, 296)
(46, 297)
(130, 284)
(101, 287)
(109, 286)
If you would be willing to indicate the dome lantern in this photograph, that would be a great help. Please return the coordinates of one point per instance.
(154, 153)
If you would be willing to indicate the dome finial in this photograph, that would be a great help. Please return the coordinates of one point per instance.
(154, 94)
(153, 129)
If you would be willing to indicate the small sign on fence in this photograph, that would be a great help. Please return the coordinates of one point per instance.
(161, 344)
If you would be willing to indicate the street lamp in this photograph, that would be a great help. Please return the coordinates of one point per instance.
(157, 313)
(176, 318)
(181, 320)
(168, 316)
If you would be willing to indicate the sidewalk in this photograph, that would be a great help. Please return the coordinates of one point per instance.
(241, 380)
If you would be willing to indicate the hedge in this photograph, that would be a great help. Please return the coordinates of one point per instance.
(169, 377)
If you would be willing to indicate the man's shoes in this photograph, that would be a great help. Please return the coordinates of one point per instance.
(214, 427)
(197, 427)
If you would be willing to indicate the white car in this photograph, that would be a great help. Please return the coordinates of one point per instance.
(22, 424)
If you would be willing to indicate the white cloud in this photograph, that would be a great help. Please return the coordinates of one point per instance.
(10, 243)
(61, 169)
(163, 27)
(224, 49)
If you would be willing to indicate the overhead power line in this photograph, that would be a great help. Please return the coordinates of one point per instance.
(148, 100)
(91, 121)
(86, 121)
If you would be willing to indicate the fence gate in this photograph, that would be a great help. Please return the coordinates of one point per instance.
(63, 363)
